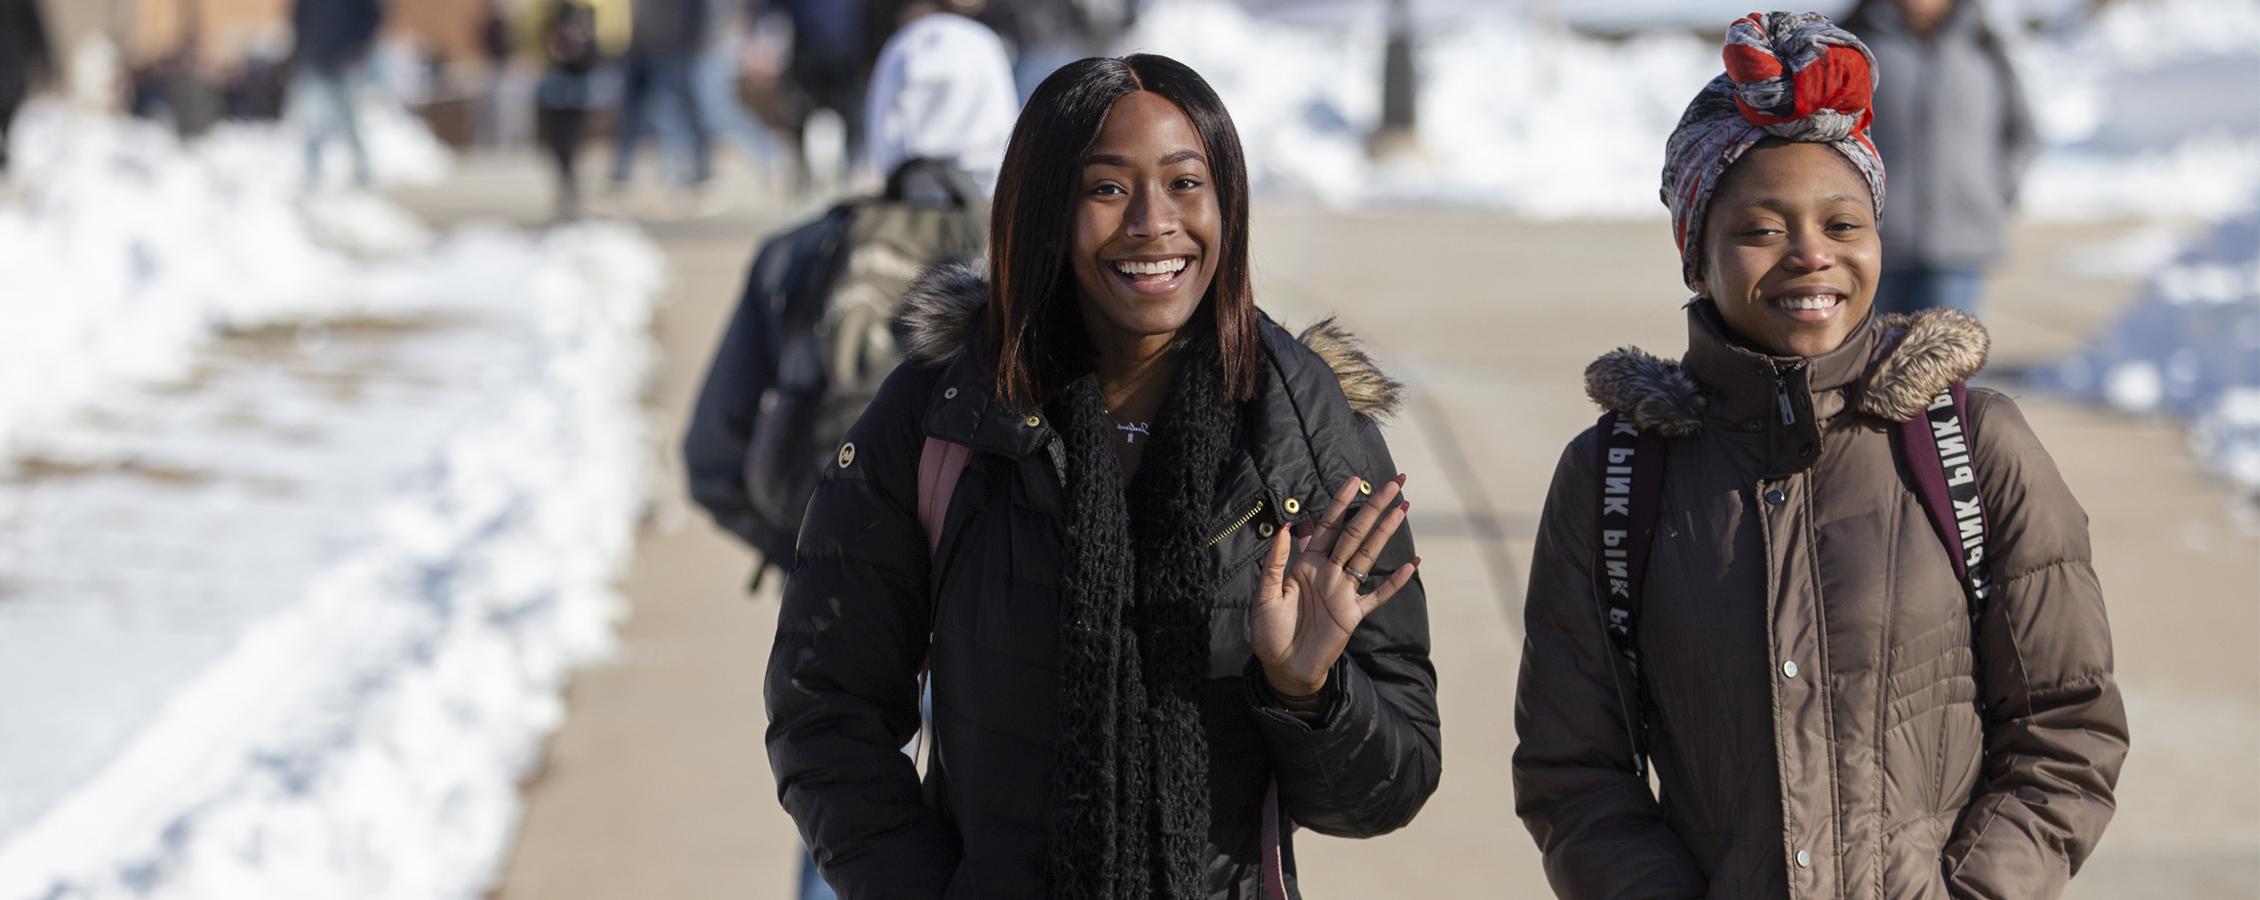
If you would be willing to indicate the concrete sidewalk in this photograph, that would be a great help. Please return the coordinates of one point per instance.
(657, 785)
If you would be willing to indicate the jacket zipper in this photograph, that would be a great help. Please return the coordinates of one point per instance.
(1238, 523)
(1781, 393)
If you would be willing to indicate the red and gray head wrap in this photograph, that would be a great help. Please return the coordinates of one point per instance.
(1795, 76)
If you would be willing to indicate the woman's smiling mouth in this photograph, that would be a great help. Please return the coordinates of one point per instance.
(1152, 275)
(1809, 305)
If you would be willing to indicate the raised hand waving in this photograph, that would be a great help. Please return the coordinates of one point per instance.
(1317, 588)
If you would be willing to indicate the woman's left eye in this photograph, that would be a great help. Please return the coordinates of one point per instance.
(1184, 184)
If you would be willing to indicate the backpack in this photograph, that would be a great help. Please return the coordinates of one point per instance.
(838, 334)
(1933, 448)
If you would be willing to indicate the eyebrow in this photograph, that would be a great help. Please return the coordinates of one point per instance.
(1109, 159)
(1784, 202)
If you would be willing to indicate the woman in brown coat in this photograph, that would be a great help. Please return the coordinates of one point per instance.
(1828, 712)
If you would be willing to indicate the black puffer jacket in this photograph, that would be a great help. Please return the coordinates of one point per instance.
(864, 598)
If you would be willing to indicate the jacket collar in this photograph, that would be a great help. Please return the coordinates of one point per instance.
(1889, 368)
(945, 314)
(1749, 385)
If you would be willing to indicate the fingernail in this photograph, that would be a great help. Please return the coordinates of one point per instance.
(1400, 479)
(1416, 560)
(1405, 508)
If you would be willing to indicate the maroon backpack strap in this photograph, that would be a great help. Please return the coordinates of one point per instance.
(1273, 858)
(940, 463)
(1935, 447)
(1632, 475)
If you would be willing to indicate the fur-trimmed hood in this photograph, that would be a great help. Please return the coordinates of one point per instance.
(1910, 358)
(944, 311)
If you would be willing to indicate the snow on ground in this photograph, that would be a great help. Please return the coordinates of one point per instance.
(305, 516)
(2189, 347)
(119, 223)
(2147, 108)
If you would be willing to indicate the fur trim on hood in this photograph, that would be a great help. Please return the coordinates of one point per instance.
(1927, 351)
(944, 309)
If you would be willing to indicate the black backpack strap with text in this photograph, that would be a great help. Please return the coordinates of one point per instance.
(1631, 471)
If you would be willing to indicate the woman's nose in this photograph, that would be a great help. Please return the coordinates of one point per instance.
(1152, 213)
(1810, 251)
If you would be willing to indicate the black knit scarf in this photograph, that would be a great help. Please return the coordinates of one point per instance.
(1130, 810)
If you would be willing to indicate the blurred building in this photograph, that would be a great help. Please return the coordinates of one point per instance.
(145, 29)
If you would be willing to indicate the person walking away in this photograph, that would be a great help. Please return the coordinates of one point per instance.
(573, 38)
(27, 61)
(1147, 542)
(658, 87)
(817, 324)
(1841, 603)
(1952, 118)
(333, 41)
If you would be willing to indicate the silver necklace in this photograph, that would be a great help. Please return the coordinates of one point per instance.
(1131, 431)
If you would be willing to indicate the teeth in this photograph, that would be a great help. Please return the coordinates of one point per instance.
(1807, 301)
(1163, 267)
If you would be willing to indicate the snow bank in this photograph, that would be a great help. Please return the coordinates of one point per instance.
(2147, 110)
(318, 660)
(2189, 347)
(127, 249)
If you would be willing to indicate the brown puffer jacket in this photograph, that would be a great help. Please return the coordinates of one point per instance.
(1813, 692)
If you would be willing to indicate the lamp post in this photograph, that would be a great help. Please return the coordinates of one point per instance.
(1400, 88)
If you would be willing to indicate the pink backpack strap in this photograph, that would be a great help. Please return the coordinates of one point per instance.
(1274, 866)
(940, 463)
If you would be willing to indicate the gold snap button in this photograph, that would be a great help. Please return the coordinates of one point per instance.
(847, 454)
(1294, 506)
(1264, 529)
(950, 394)
(1034, 421)
(1365, 487)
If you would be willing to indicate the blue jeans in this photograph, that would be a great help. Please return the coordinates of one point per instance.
(654, 85)
(1914, 290)
(812, 886)
(323, 101)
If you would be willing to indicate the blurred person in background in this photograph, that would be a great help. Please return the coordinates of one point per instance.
(174, 87)
(942, 108)
(658, 87)
(1952, 118)
(496, 47)
(27, 62)
(333, 39)
(1858, 635)
(1047, 34)
(1164, 591)
(829, 62)
(942, 90)
(718, 81)
(573, 38)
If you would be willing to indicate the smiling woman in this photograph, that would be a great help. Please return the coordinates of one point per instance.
(1858, 636)
(1167, 595)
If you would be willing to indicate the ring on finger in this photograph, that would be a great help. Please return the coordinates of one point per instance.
(1360, 576)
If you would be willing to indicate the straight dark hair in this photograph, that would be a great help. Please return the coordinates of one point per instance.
(1036, 343)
